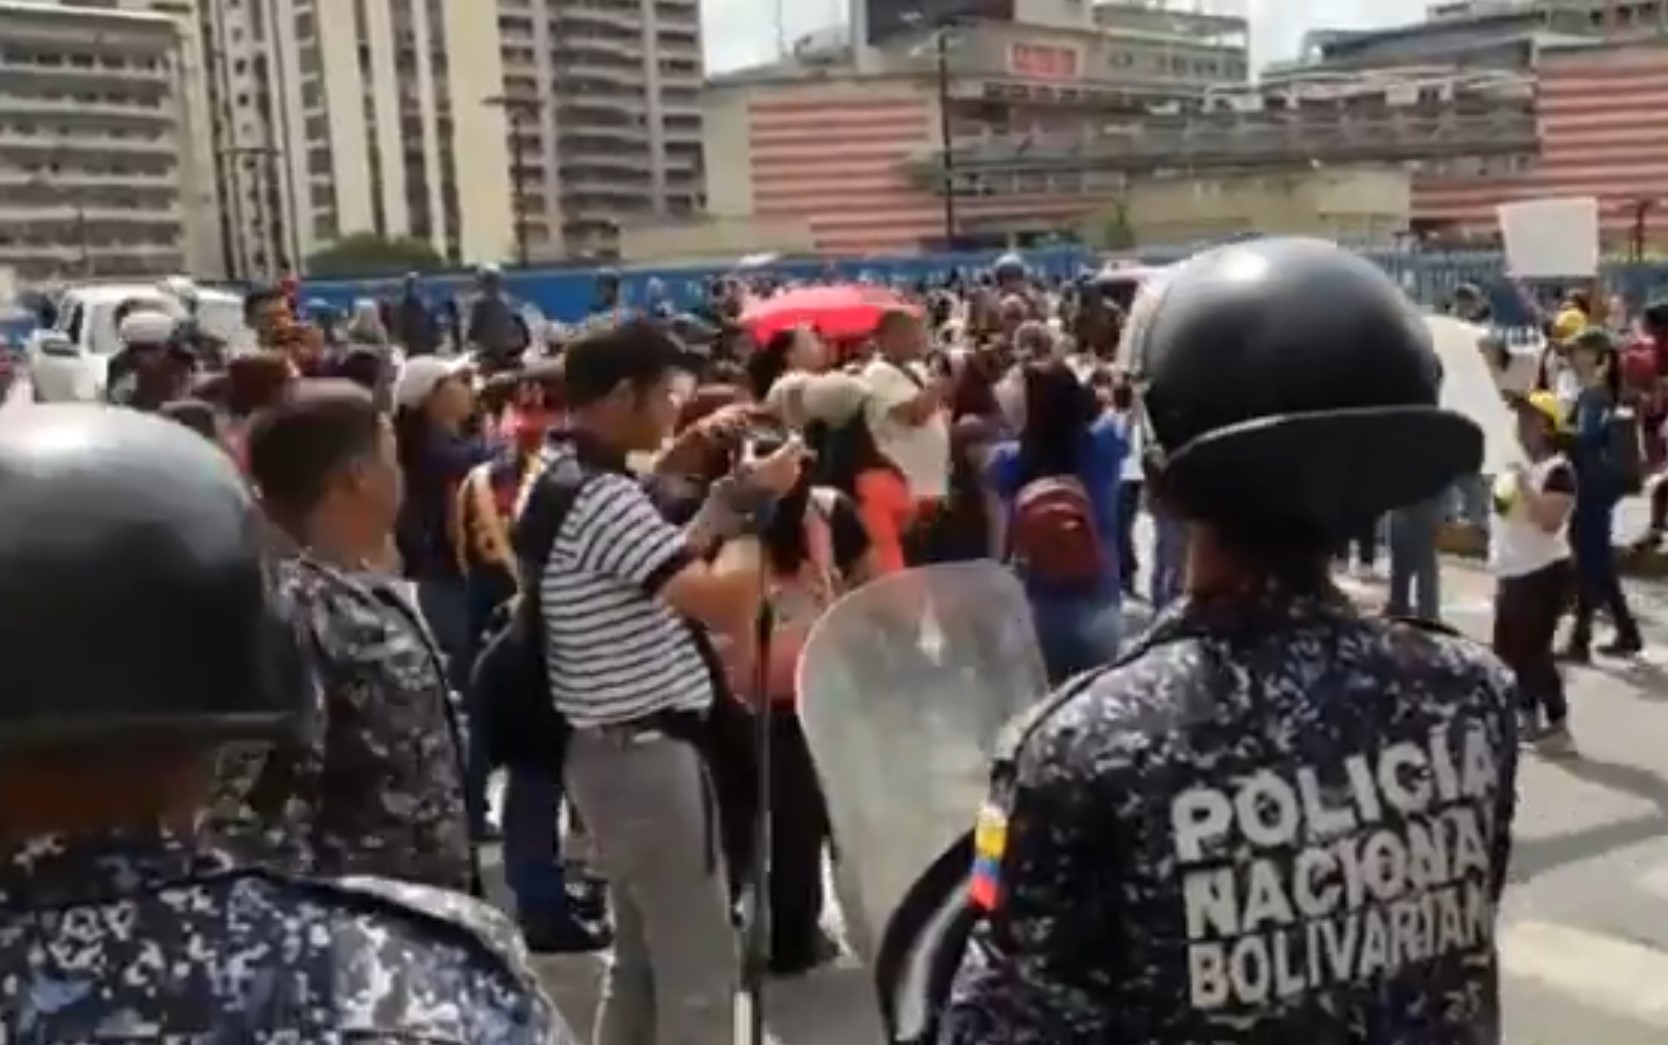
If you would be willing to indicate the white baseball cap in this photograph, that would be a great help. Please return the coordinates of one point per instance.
(146, 327)
(420, 376)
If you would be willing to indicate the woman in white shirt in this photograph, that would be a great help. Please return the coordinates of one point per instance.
(1530, 557)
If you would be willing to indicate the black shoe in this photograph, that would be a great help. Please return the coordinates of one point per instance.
(565, 934)
(1623, 646)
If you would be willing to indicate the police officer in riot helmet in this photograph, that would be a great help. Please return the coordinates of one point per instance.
(1274, 819)
(117, 919)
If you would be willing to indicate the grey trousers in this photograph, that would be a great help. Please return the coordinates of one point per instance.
(675, 969)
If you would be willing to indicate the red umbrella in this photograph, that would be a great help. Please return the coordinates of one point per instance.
(835, 312)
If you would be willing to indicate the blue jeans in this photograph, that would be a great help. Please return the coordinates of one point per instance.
(1076, 634)
(446, 608)
(1598, 584)
(1471, 500)
(1415, 573)
(1169, 558)
(533, 842)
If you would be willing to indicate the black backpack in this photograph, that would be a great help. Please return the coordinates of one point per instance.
(517, 719)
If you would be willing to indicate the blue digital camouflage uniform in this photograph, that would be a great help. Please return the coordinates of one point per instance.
(1275, 821)
(375, 786)
(149, 937)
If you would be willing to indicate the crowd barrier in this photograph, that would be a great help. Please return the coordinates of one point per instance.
(569, 294)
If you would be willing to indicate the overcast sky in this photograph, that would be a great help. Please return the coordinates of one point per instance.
(745, 32)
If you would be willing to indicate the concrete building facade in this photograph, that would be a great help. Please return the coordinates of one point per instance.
(98, 131)
(337, 117)
(604, 102)
(1600, 74)
(1050, 125)
(1367, 207)
(848, 144)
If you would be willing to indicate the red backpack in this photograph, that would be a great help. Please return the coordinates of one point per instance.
(1052, 537)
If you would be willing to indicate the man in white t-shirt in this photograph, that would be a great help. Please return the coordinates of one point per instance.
(906, 407)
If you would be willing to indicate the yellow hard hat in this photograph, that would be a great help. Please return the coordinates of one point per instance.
(1548, 406)
(1568, 325)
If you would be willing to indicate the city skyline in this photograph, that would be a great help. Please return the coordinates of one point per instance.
(739, 33)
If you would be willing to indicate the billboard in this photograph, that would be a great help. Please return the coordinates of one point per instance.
(889, 18)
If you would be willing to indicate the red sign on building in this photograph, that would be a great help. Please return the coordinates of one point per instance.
(1043, 62)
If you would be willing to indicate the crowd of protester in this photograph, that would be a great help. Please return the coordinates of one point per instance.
(548, 559)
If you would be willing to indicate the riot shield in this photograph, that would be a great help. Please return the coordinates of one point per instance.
(905, 686)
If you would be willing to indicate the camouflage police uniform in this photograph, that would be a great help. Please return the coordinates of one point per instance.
(147, 536)
(1273, 820)
(1135, 912)
(154, 938)
(376, 785)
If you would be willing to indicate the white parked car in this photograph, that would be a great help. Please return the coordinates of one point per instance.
(70, 362)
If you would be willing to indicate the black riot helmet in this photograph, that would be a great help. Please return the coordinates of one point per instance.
(1291, 388)
(134, 603)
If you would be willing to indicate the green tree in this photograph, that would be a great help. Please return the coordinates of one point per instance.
(1110, 229)
(367, 254)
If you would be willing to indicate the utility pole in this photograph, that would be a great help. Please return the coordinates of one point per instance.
(1641, 218)
(945, 138)
(941, 57)
(515, 108)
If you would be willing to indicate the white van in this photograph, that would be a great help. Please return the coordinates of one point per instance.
(70, 362)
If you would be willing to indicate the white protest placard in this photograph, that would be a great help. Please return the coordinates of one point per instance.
(1469, 387)
(1551, 238)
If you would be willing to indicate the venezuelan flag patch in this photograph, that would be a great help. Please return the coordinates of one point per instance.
(990, 842)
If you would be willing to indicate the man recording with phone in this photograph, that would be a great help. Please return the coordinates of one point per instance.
(622, 591)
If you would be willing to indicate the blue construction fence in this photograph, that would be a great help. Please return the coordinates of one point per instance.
(569, 294)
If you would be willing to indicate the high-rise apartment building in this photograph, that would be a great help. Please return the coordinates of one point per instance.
(604, 97)
(336, 117)
(102, 136)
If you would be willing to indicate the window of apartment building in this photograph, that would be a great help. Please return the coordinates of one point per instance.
(317, 128)
(422, 224)
(318, 162)
(312, 94)
(306, 25)
(325, 227)
(323, 196)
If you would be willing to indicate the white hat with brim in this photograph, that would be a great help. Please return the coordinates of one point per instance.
(147, 327)
(420, 376)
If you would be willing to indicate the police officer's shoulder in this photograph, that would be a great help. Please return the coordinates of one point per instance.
(1117, 710)
(422, 939)
(454, 916)
(1424, 624)
(1437, 644)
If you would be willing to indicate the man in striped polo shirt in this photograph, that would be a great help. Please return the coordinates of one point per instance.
(622, 593)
